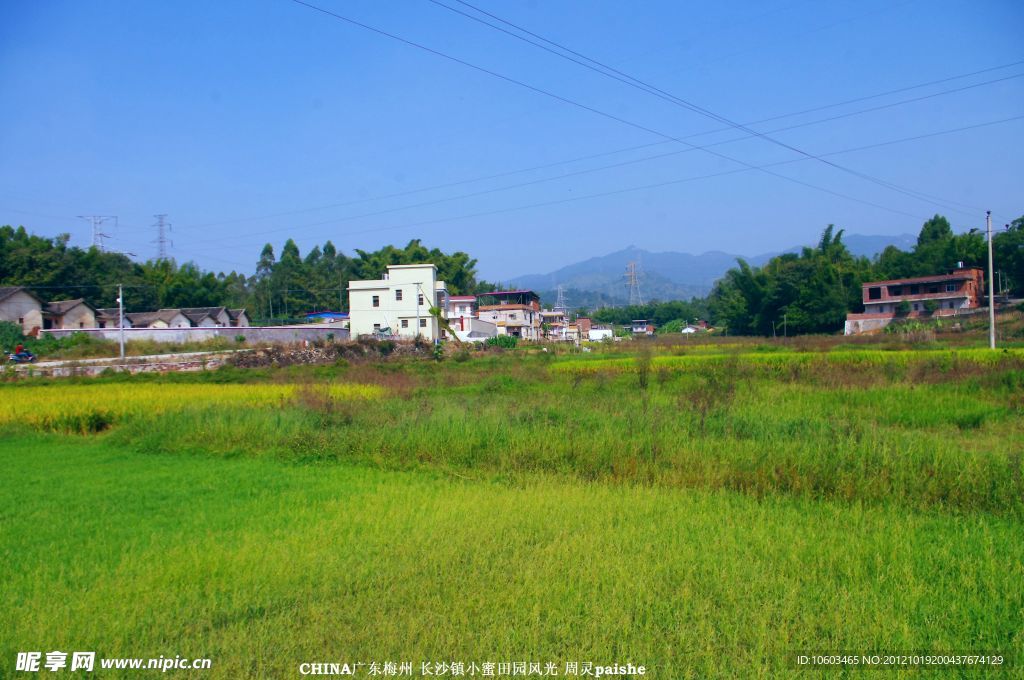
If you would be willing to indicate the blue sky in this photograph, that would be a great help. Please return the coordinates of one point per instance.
(249, 122)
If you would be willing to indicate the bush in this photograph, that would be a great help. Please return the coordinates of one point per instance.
(503, 341)
(10, 335)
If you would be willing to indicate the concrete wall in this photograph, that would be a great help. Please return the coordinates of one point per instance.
(22, 306)
(474, 330)
(253, 334)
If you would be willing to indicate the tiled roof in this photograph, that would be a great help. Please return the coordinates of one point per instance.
(61, 307)
(8, 291)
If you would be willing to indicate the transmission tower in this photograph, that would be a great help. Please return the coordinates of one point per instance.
(560, 304)
(633, 281)
(97, 234)
(162, 227)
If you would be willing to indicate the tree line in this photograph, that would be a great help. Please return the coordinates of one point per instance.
(810, 291)
(282, 287)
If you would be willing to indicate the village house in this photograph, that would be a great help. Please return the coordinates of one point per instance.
(69, 314)
(461, 308)
(107, 317)
(163, 318)
(399, 303)
(463, 318)
(207, 317)
(514, 312)
(599, 333)
(923, 296)
(18, 305)
(239, 318)
(555, 323)
(199, 317)
(641, 327)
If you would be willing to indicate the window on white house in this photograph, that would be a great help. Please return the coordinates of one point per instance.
(423, 323)
(376, 301)
(398, 295)
(405, 323)
(376, 326)
(420, 299)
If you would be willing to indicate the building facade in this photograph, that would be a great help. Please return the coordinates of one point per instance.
(919, 297)
(461, 310)
(398, 304)
(65, 314)
(514, 312)
(19, 306)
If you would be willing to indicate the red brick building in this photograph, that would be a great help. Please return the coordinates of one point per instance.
(924, 296)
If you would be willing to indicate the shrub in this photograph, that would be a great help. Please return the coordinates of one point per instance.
(503, 341)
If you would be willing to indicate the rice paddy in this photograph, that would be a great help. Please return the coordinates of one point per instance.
(705, 514)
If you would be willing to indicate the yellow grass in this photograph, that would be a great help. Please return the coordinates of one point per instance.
(39, 405)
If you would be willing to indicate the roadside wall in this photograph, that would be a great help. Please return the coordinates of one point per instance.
(252, 334)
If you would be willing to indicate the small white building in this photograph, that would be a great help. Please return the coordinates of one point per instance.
(461, 308)
(399, 303)
(599, 333)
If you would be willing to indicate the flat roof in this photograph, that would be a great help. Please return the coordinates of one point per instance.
(508, 292)
(962, 276)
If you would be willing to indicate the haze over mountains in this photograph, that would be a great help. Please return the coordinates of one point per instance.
(666, 275)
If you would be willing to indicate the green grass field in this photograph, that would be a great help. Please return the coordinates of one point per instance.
(704, 518)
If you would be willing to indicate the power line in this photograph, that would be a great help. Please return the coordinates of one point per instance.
(555, 178)
(658, 185)
(571, 102)
(632, 81)
(638, 147)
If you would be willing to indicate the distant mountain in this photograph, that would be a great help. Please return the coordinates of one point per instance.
(869, 246)
(666, 275)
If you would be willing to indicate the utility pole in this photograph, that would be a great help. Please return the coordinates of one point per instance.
(162, 227)
(120, 317)
(97, 234)
(419, 294)
(991, 285)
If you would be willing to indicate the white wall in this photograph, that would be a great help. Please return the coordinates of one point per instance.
(22, 306)
(400, 315)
